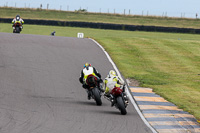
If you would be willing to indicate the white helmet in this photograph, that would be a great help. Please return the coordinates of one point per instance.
(112, 73)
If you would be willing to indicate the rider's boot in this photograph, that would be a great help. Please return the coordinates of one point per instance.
(85, 87)
(89, 95)
(112, 100)
(101, 87)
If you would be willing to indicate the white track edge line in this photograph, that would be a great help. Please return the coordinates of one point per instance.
(130, 96)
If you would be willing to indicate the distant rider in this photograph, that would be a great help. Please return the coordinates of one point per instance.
(87, 70)
(112, 81)
(17, 19)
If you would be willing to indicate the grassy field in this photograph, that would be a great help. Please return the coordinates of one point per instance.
(169, 63)
(97, 17)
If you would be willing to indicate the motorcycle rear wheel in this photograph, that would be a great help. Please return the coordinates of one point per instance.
(97, 96)
(121, 105)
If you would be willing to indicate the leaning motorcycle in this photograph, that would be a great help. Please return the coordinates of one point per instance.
(17, 27)
(119, 99)
(94, 89)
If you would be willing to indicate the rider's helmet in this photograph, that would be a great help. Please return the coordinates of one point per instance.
(17, 17)
(112, 73)
(87, 65)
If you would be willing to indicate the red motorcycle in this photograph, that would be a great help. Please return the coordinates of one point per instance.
(17, 27)
(119, 99)
(94, 89)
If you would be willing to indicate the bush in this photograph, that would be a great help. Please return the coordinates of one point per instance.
(81, 10)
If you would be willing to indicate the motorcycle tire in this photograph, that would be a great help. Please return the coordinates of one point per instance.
(97, 96)
(17, 30)
(121, 105)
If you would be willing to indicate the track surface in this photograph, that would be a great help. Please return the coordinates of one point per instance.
(40, 91)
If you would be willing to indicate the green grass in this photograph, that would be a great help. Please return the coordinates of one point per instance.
(98, 17)
(167, 62)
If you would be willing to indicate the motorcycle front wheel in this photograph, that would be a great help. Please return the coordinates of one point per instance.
(17, 30)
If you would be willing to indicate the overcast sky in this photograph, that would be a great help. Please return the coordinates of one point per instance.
(176, 8)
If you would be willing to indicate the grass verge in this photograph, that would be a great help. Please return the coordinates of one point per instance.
(99, 17)
(167, 62)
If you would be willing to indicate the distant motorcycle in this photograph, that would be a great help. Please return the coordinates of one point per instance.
(94, 90)
(17, 27)
(119, 100)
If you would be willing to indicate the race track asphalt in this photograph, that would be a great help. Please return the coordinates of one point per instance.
(40, 91)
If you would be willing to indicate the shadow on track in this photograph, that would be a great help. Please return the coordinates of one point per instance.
(91, 103)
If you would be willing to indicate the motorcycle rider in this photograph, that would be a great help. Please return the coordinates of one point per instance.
(112, 81)
(17, 19)
(87, 70)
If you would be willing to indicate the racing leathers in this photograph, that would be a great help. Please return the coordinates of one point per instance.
(17, 20)
(88, 71)
(110, 82)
